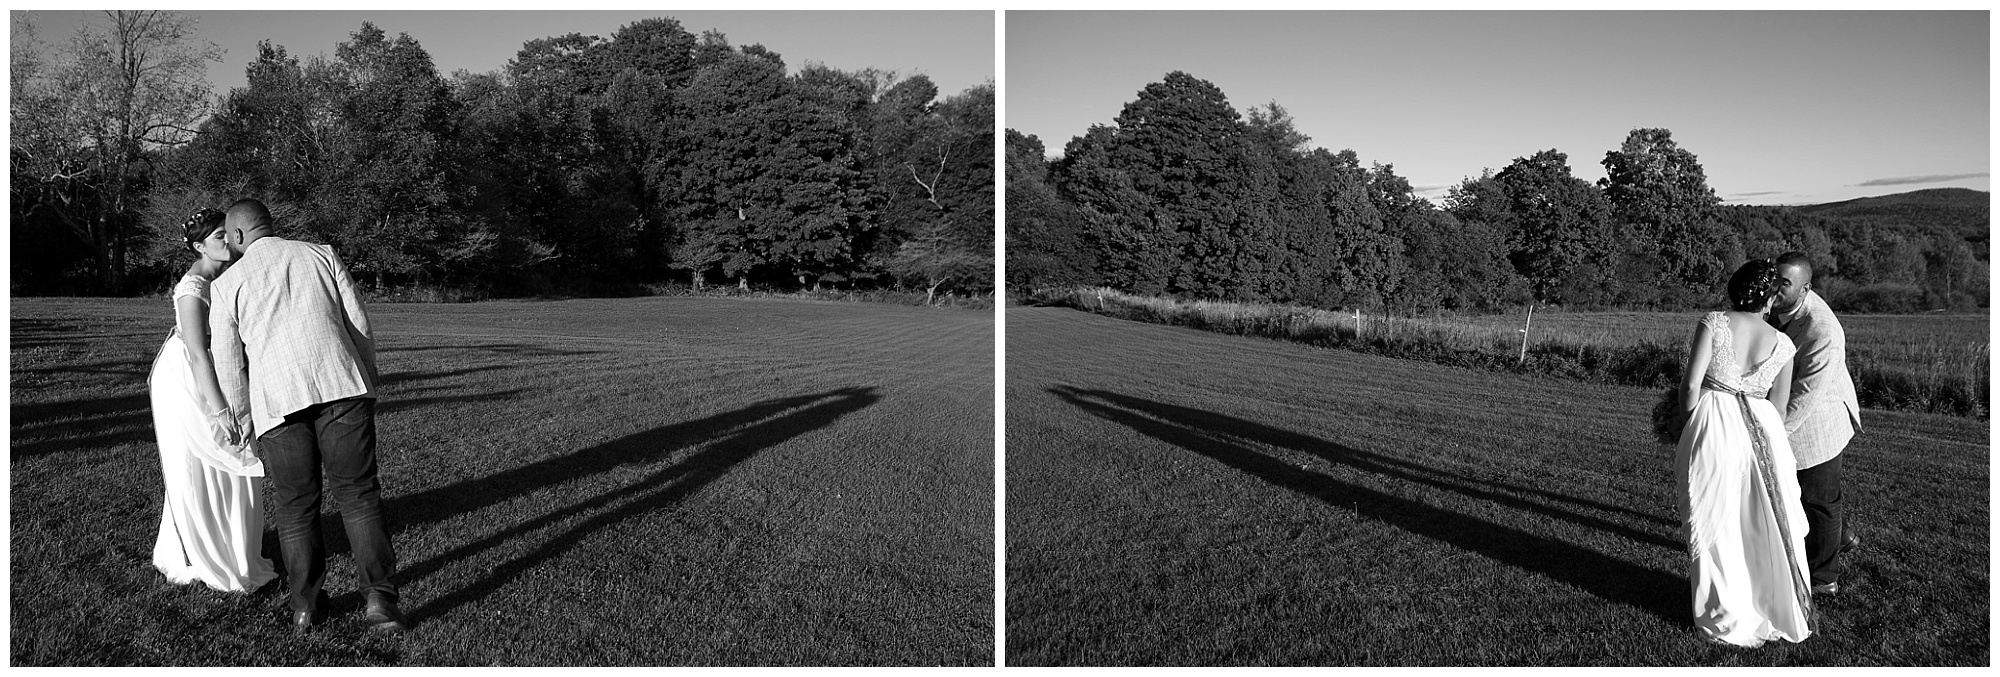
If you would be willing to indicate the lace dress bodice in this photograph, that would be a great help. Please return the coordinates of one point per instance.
(190, 285)
(1722, 358)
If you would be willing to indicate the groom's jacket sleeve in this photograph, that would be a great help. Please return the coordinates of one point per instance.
(225, 340)
(357, 319)
(1811, 380)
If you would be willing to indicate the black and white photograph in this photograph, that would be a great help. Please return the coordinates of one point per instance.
(524, 338)
(1497, 338)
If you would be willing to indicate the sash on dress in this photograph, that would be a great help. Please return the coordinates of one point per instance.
(1762, 446)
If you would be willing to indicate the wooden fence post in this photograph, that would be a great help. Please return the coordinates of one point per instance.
(1523, 359)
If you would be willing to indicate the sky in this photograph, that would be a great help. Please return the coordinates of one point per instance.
(954, 48)
(1778, 107)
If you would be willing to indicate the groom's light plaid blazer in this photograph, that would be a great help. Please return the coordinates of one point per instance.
(288, 331)
(1824, 413)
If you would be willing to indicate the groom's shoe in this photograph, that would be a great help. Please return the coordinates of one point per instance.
(305, 620)
(1827, 588)
(1853, 541)
(383, 616)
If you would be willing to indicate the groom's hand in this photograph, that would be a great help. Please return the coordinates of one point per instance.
(224, 421)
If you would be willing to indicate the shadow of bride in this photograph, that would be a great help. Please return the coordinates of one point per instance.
(726, 439)
(1228, 440)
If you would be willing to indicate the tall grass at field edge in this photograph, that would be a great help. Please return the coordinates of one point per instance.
(1946, 384)
(435, 293)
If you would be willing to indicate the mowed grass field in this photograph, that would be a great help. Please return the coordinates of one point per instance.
(659, 481)
(1181, 497)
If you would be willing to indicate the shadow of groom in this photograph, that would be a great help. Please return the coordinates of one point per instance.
(1228, 440)
(726, 439)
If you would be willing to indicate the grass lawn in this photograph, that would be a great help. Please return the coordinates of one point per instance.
(1181, 497)
(659, 481)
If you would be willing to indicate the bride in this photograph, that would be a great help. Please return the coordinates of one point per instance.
(1739, 494)
(213, 524)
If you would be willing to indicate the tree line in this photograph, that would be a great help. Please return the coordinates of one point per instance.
(585, 164)
(1182, 195)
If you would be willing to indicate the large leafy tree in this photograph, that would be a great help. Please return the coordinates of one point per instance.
(1277, 206)
(88, 125)
(1448, 263)
(273, 139)
(1370, 259)
(1557, 227)
(960, 161)
(1138, 247)
(909, 155)
(651, 153)
(1182, 145)
(391, 205)
(768, 179)
(1659, 192)
(931, 160)
(656, 47)
(1046, 245)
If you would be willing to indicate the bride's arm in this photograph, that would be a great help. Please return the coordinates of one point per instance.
(1781, 389)
(1697, 367)
(192, 313)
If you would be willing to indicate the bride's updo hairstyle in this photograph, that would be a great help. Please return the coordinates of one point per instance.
(1754, 283)
(200, 225)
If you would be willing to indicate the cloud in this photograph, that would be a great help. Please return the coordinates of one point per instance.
(1932, 178)
(1761, 192)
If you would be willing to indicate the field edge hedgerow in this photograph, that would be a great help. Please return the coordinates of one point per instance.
(1642, 363)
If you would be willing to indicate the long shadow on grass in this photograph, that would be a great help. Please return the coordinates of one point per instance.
(1227, 439)
(38, 429)
(508, 349)
(39, 333)
(727, 439)
(70, 425)
(1404, 470)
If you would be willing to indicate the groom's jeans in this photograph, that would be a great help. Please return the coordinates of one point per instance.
(1826, 521)
(338, 437)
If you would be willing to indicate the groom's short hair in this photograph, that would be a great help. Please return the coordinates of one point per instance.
(1799, 259)
(252, 213)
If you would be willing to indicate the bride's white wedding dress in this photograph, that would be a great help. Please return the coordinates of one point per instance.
(1740, 502)
(212, 527)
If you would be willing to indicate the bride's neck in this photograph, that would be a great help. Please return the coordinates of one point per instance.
(206, 268)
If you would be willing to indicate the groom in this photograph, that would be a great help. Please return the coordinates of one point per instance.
(1823, 415)
(293, 353)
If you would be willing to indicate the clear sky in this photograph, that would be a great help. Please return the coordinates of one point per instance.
(1779, 107)
(954, 48)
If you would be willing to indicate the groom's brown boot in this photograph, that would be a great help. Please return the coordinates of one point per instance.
(382, 614)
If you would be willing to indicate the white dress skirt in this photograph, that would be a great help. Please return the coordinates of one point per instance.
(1746, 526)
(213, 523)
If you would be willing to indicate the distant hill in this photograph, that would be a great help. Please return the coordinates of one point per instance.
(1961, 210)
(1908, 252)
